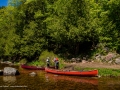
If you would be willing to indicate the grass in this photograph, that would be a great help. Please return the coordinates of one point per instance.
(109, 72)
(104, 71)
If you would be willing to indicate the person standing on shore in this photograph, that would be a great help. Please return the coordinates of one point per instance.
(48, 62)
(56, 61)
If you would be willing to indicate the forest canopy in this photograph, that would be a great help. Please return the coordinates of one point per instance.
(66, 27)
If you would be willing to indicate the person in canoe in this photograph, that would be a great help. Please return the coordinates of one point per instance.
(56, 63)
(48, 62)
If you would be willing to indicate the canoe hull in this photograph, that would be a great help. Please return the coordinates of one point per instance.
(73, 73)
(32, 67)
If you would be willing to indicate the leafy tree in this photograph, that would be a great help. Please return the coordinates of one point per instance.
(8, 37)
(70, 27)
(31, 28)
(110, 24)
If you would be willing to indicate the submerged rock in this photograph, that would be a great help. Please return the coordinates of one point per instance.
(9, 79)
(32, 74)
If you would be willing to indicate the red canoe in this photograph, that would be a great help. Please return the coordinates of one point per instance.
(72, 73)
(32, 67)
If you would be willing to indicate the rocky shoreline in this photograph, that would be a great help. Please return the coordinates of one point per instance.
(109, 60)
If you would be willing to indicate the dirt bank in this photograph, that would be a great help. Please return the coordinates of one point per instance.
(94, 65)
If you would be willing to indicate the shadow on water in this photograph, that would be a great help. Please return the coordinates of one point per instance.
(47, 81)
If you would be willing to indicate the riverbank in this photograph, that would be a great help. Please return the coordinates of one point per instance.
(104, 69)
(94, 65)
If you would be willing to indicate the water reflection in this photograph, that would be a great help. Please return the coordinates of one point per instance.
(93, 81)
(9, 79)
(47, 81)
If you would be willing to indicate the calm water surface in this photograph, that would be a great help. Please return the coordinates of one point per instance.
(47, 81)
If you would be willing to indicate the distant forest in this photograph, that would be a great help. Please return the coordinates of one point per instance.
(66, 27)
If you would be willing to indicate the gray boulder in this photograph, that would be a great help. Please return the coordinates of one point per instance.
(9, 71)
(110, 56)
(117, 60)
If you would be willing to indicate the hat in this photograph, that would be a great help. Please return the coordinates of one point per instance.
(56, 58)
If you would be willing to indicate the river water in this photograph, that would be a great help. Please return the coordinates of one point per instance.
(47, 81)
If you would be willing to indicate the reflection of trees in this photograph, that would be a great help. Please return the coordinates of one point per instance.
(9, 79)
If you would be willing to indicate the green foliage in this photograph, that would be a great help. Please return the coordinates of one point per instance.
(37, 63)
(43, 56)
(110, 24)
(67, 27)
(46, 54)
(70, 26)
(23, 61)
